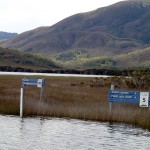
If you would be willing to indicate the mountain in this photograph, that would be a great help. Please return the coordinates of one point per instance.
(6, 35)
(117, 29)
(79, 60)
(134, 59)
(13, 58)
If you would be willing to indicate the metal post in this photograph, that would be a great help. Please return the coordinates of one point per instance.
(110, 104)
(112, 87)
(41, 93)
(42, 89)
(21, 101)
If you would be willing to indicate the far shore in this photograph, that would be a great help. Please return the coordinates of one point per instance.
(52, 74)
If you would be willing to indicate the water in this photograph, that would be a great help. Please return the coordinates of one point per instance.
(69, 134)
(52, 74)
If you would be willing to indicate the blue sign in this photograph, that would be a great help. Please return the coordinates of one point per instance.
(33, 82)
(124, 96)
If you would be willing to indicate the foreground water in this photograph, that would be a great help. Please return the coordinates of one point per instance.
(69, 134)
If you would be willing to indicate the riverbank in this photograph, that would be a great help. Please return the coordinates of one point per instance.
(73, 97)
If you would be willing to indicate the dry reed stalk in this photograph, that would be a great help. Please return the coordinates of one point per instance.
(81, 98)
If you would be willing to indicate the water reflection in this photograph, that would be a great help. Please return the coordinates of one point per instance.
(127, 130)
(66, 134)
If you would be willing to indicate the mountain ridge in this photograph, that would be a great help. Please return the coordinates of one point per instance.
(6, 35)
(118, 29)
(91, 30)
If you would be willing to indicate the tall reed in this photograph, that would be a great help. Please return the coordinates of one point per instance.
(82, 98)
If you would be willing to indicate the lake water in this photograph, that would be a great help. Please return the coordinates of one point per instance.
(69, 134)
(52, 74)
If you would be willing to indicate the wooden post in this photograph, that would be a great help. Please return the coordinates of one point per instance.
(21, 101)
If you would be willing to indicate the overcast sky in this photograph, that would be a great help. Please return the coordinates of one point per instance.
(22, 15)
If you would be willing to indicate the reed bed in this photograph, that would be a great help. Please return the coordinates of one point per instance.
(81, 98)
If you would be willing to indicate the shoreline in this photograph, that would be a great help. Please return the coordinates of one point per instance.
(52, 74)
(74, 98)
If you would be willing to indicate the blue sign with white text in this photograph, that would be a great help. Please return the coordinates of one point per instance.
(33, 82)
(124, 96)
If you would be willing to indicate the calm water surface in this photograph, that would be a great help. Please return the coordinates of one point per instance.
(69, 134)
(51, 74)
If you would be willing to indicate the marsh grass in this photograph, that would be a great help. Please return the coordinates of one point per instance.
(82, 98)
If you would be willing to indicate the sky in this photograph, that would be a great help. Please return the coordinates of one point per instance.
(23, 15)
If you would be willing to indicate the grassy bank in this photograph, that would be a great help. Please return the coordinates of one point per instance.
(82, 98)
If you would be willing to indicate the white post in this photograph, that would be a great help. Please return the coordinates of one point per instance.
(110, 104)
(112, 87)
(21, 101)
(42, 89)
(41, 93)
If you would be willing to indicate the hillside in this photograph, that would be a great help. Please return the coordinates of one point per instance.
(117, 29)
(6, 35)
(79, 59)
(140, 58)
(13, 58)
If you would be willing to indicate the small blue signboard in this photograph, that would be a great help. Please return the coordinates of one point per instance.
(124, 96)
(33, 82)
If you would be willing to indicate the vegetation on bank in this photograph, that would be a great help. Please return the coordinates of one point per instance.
(82, 98)
(89, 59)
(74, 60)
(14, 59)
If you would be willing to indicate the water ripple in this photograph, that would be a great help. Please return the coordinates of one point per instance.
(69, 134)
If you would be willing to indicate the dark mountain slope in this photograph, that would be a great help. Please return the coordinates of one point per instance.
(134, 59)
(6, 35)
(116, 29)
(14, 58)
